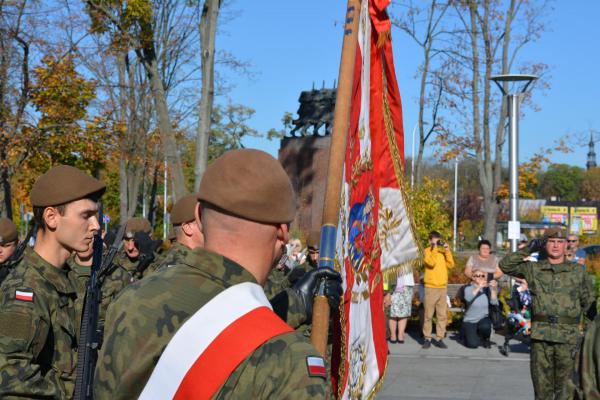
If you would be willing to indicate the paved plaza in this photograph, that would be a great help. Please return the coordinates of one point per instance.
(457, 372)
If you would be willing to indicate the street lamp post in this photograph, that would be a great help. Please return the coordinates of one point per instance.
(412, 160)
(455, 204)
(514, 227)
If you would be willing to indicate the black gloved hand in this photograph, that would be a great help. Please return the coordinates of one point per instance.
(536, 245)
(145, 244)
(307, 288)
(295, 274)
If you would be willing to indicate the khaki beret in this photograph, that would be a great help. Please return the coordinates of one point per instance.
(250, 184)
(556, 233)
(63, 184)
(313, 240)
(183, 210)
(137, 225)
(8, 231)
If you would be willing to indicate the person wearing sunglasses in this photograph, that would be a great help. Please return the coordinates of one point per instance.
(477, 325)
(578, 256)
(561, 295)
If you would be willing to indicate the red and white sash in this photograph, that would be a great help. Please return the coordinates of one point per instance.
(212, 343)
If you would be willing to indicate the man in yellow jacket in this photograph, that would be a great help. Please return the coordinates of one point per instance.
(438, 260)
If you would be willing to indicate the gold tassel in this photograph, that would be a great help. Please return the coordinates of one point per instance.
(382, 37)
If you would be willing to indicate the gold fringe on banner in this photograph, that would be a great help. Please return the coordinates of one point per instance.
(383, 37)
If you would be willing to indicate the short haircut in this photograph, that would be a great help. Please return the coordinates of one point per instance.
(434, 235)
(38, 215)
(484, 242)
(38, 212)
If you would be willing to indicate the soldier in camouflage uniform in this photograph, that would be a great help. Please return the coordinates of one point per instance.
(586, 379)
(124, 271)
(8, 244)
(240, 207)
(188, 234)
(561, 295)
(285, 274)
(39, 305)
(80, 263)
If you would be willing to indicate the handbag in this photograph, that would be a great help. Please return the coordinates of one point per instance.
(495, 314)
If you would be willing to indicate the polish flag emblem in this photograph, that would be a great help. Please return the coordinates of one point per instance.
(25, 296)
(316, 366)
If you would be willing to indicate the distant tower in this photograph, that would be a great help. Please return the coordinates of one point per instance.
(591, 157)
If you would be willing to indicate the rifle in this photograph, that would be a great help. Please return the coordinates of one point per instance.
(89, 335)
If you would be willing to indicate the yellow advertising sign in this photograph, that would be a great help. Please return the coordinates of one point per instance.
(584, 220)
(555, 214)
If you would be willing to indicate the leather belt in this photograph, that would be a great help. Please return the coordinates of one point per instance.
(556, 319)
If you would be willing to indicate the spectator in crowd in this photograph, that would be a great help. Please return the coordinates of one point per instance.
(479, 294)
(577, 255)
(484, 261)
(399, 298)
(438, 260)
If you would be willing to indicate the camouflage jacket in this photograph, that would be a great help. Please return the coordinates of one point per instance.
(39, 310)
(562, 290)
(147, 314)
(83, 273)
(121, 273)
(168, 258)
(586, 382)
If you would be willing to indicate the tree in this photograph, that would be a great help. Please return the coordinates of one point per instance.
(14, 95)
(208, 29)
(590, 185)
(433, 30)
(428, 207)
(134, 25)
(489, 43)
(565, 182)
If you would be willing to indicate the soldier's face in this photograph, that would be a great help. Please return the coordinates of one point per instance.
(556, 247)
(75, 230)
(130, 248)
(6, 250)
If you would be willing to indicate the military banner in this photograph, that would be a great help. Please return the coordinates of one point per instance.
(376, 234)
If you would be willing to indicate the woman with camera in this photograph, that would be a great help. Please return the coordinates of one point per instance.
(479, 294)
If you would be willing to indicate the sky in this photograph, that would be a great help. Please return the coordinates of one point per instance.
(293, 45)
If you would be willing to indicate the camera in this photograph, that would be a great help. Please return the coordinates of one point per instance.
(441, 243)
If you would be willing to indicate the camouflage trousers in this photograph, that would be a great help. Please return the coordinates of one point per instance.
(551, 368)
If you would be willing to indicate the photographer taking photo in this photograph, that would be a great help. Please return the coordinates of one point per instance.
(438, 260)
(479, 294)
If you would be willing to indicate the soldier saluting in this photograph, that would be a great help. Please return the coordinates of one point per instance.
(38, 303)
(561, 294)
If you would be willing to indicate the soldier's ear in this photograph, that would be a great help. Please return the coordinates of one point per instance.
(198, 214)
(187, 228)
(50, 216)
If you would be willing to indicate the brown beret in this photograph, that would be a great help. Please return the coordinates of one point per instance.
(313, 240)
(250, 184)
(64, 184)
(8, 231)
(183, 210)
(137, 225)
(556, 233)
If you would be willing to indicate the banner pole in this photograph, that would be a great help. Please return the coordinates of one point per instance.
(337, 153)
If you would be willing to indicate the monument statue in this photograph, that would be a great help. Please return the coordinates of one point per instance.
(315, 111)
